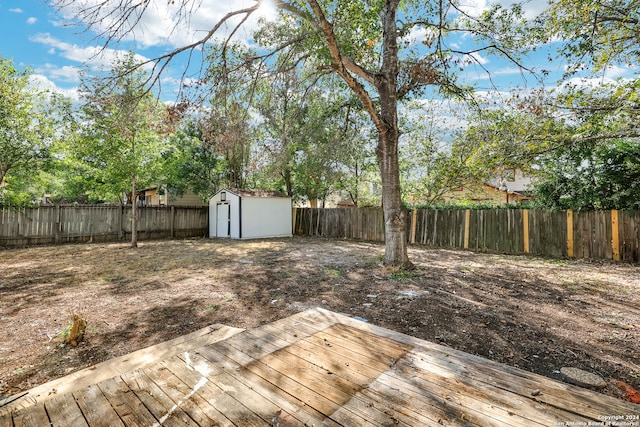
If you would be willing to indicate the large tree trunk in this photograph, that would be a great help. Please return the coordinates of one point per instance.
(385, 120)
(395, 232)
(387, 150)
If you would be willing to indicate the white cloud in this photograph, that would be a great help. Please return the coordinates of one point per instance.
(531, 9)
(32, 20)
(476, 58)
(16, 10)
(167, 24)
(95, 56)
(483, 75)
(59, 24)
(611, 74)
(65, 73)
(44, 83)
(420, 34)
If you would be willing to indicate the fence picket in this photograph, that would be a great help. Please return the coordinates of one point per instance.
(83, 223)
(547, 234)
(590, 234)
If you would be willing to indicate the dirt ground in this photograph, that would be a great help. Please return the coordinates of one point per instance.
(533, 313)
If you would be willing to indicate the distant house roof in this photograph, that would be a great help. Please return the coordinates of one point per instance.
(255, 193)
(521, 193)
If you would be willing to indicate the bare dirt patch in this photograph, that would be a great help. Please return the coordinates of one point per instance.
(536, 314)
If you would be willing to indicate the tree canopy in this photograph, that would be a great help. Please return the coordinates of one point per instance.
(289, 111)
(120, 133)
(27, 132)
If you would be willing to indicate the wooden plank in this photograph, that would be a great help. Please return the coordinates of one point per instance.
(317, 386)
(332, 375)
(119, 365)
(281, 398)
(6, 421)
(453, 406)
(467, 219)
(250, 397)
(630, 238)
(156, 401)
(302, 392)
(186, 398)
(378, 350)
(64, 411)
(570, 252)
(615, 240)
(525, 229)
(476, 397)
(227, 405)
(96, 408)
(575, 399)
(355, 365)
(33, 416)
(413, 225)
(126, 404)
(404, 403)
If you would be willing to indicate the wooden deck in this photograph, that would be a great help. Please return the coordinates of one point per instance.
(313, 368)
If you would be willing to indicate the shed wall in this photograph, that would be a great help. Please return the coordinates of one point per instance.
(266, 217)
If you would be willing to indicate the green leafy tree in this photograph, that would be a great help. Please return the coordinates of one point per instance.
(307, 133)
(595, 34)
(582, 177)
(28, 129)
(193, 165)
(355, 161)
(227, 125)
(120, 142)
(363, 43)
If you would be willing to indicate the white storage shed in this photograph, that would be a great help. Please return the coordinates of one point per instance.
(249, 214)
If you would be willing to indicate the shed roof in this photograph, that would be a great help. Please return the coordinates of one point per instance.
(255, 193)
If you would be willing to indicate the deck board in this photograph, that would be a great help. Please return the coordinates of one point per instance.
(287, 402)
(120, 365)
(124, 401)
(64, 411)
(156, 400)
(32, 416)
(96, 408)
(313, 368)
(5, 420)
(184, 397)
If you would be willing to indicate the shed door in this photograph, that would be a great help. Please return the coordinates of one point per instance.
(223, 215)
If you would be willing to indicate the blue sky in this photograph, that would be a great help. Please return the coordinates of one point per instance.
(55, 47)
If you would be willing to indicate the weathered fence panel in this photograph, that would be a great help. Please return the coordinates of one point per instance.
(548, 233)
(437, 228)
(629, 226)
(495, 230)
(597, 235)
(349, 223)
(88, 223)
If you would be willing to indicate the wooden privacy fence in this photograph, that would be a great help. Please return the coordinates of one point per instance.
(597, 234)
(82, 223)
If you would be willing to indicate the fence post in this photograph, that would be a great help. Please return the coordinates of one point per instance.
(413, 226)
(615, 238)
(467, 221)
(294, 213)
(525, 226)
(58, 224)
(172, 221)
(121, 223)
(570, 233)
